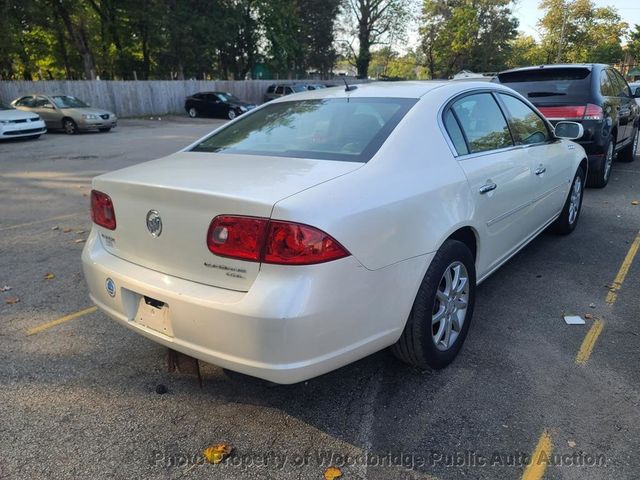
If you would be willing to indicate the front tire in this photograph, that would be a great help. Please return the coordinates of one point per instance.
(568, 219)
(442, 311)
(628, 153)
(70, 127)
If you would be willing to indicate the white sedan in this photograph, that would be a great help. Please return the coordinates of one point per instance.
(17, 124)
(325, 226)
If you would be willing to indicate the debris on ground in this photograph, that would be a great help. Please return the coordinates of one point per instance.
(79, 240)
(332, 473)
(588, 316)
(573, 320)
(635, 202)
(49, 276)
(217, 453)
(161, 389)
(66, 230)
(6, 288)
(55, 228)
(592, 305)
(12, 300)
(571, 443)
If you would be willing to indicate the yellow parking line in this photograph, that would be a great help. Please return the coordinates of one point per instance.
(66, 318)
(539, 459)
(43, 220)
(624, 269)
(589, 341)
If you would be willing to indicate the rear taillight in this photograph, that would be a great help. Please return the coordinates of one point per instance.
(271, 241)
(573, 112)
(569, 112)
(593, 112)
(102, 212)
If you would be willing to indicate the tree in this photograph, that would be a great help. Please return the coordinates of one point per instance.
(578, 31)
(375, 21)
(469, 34)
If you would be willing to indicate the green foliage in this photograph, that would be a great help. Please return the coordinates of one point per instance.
(128, 39)
(578, 31)
(466, 34)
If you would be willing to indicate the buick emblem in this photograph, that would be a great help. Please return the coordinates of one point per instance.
(154, 223)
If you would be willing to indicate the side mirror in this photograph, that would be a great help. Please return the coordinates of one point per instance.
(569, 130)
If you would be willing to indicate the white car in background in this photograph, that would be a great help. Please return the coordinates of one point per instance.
(322, 227)
(16, 124)
(635, 90)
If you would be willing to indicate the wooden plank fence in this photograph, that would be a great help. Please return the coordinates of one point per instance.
(138, 98)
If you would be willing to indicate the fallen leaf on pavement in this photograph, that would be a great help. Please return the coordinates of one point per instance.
(588, 316)
(332, 473)
(635, 202)
(79, 240)
(66, 230)
(571, 443)
(6, 288)
(216, 453)
(49, 276)
(11, 300)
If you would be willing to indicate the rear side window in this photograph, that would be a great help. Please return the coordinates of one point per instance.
(622, 89)
(279, 90)
(330, 129)
(549, 82)
(606, 84)
(526, 125)
(482, 122)
(271, 89)
(455, 133)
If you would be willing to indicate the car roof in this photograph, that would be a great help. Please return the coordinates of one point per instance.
(410, 89)
(590, 66)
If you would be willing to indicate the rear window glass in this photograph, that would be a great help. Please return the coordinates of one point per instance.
(330, 129)
(548, 82)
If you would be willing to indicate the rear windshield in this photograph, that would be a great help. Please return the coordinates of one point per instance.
(549, 82)
(330, 129)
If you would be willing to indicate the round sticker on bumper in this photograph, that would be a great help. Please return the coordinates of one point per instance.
(110, 285)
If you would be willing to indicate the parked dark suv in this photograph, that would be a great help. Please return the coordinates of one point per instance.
(595, 95)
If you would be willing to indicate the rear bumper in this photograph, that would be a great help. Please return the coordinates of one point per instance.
(294, 323)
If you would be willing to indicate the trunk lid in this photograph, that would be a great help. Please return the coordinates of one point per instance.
(187, 190)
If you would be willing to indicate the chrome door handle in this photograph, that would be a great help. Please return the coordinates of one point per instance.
(540, 170)
(488, 187)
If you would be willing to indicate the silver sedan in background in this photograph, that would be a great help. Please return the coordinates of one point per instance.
(67, 113)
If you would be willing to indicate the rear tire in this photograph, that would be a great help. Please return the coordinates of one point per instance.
(69, 126)
(442, 311)
(231, 114)
(599, 177)
(568, 219)
(192, 112)
(628, 153)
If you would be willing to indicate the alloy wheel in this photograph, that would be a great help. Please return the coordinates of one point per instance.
(232, 114)
(608, 161)
(193, 113)
(450, 306)
(575, 199)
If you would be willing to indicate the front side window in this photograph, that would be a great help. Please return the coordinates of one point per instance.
(623, 88)
(482, 122)
(330, 129)
(41, 102)
(526, 125)
(279, 90)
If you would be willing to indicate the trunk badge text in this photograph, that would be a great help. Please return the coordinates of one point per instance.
(154, 223)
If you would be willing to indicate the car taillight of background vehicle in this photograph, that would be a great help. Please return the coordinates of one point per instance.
(573, 112)
(271, 241)
(102, 212)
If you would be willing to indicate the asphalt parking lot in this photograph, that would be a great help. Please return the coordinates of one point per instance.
(78, 396)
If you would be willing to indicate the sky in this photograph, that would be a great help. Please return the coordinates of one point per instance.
(527, 12)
